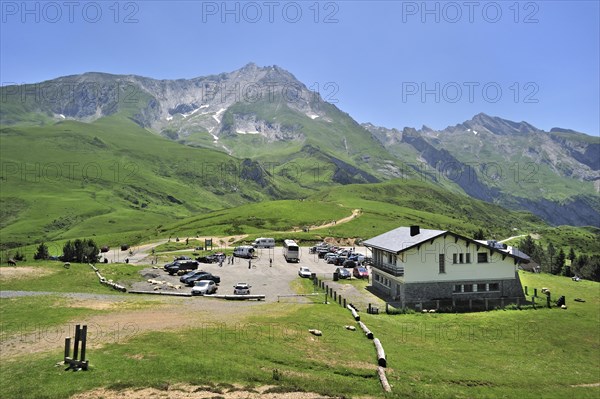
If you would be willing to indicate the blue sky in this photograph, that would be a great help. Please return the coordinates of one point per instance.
(392, 63)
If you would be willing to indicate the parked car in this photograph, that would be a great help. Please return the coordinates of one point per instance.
(204, 287)
(183, 257)
(173, 268)
(349, 264)
(339, 260)
(241, 289)
(360, 272)
(304, 272)
(191, 279)
(322, 252)
(343, 273)
(330, 257)
(359, 258)
(212, 258)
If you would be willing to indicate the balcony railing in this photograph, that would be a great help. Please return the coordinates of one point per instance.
(396, 271)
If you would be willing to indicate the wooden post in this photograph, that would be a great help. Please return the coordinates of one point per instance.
(526, 291)
(535, 292)
(366, 330)
(548, 301)
(344, 304)
(340, 299)
(383, 379)
(369, 309)
(334, 296)
(77, 338)
(387, 310)
(83, 342)
(380, 353)
(67, 348)
(533, 301)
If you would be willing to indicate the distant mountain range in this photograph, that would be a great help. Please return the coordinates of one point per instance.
(265, 116)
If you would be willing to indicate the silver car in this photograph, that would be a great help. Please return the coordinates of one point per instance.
(241, 289)
(204, 287)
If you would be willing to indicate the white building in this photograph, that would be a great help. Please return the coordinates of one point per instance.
(413, 265)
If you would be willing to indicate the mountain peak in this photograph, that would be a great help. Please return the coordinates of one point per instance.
(498, 126)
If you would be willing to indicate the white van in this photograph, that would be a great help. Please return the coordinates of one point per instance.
(264, 243)
(244, 251)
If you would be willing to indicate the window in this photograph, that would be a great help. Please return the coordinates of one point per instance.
(482, 257)
(458, 288)
(442, 261)
(454, 258)
(494, 287)
(461, 258)
(468, 288)
(481, 287)
(468, 257)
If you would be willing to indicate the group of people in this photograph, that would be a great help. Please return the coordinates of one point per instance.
(231, 258)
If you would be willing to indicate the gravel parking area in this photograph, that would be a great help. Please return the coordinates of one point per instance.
(270, 281)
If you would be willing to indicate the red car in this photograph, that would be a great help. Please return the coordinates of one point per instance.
(360, 272)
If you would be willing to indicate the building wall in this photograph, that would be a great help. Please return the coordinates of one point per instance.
(422, 265)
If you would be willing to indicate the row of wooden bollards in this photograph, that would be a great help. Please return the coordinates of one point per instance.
(104, 281)
(546, 293)
(381, 358)
(329, 292)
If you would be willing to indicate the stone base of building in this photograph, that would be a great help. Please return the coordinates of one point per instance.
(409, 294)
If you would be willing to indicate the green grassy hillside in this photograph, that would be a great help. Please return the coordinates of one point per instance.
(74, 179)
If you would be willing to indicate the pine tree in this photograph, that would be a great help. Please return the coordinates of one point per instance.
(42, 252)
(590, 267)
(68, 252)
(479, 235)
(580, 263)
(551, 252)
(560, 262)
(571, 255)
(527, 245)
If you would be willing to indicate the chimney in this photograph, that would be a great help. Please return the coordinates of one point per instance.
(414, 231)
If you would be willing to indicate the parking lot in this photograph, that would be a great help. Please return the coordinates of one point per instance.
(271, 281)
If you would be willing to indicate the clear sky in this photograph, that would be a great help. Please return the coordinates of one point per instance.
(392, 63)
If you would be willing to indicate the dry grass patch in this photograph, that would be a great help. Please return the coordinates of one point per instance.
(185, 391)
(8, 273)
